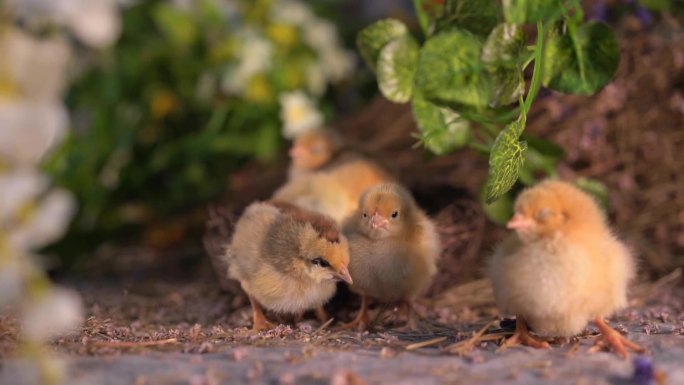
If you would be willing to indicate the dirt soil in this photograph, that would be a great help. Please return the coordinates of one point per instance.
(180, 328)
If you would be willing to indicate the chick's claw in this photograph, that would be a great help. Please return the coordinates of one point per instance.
(612, 338)
(522, 336)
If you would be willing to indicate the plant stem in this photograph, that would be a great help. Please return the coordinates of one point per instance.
(538, 67)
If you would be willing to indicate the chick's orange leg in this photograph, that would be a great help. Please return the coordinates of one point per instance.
(522, 336)
(613, 338)
(413, 318)
(259, 319)
(321, 314)
(362, 320)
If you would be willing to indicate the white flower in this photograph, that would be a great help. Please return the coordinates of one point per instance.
(338, 64)
(316, 79)
(11, 280)
(54, 313)
(291, 12)
(255, 55)
(320, 34)
(298, 113)
(29, 218)
(35, 69)
(96, 23)
(47, 223)
(17, 188)
(29, 130)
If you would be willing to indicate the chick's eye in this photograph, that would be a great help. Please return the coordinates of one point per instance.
(543, 214)
(365, 215)
(320, 262)
(395, 214)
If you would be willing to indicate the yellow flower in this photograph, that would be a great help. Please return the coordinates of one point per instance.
(163, 102)
(282, 34)
(259, 90)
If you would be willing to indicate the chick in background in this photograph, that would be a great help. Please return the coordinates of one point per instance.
(393, 250)
(286, 259)
(562, 268)
(327, 177)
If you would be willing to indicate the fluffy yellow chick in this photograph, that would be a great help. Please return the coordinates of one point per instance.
(562, 269)
(393, 249)
(286, 259)
(327, 178)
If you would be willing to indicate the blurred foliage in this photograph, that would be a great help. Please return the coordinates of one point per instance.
(188, 94)
(466, 80)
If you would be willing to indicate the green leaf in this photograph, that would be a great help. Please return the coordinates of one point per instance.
(501, 52)
(450, 70)
(427, 12)
(476, 16)
(176, 24)
(442, 130)
(372, 39)
(499, 211)
(396, 69)
(531, 11)
(656, 5)
(505, 160)
(580, 59)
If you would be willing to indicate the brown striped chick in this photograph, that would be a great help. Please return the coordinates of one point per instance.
(562, 269)
(286, 259)
(393, 249)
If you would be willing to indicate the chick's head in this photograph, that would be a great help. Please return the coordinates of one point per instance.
(314, 149)
(385, 211)
(324, 254)
(552, 207)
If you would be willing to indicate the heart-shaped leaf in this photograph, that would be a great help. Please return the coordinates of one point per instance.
(476, 16)
(427, 12)
(450, 70)
(396, 69)
(442, 129)
(531, 11)
(372, 39)
(580, 59)
(505, 160)
(501, 52)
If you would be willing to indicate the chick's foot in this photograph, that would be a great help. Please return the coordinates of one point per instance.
(259, 319)
(522, 336)
(613, 338)
(360, 323)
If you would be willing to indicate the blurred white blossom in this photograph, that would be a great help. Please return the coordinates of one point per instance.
(291, 12)
(298, 113)
(254, 57)
(96, 23)
(55, 312)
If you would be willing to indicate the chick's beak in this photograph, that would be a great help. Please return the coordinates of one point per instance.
(297, 152)
(519, 222)
(343, 274)
(377, 221)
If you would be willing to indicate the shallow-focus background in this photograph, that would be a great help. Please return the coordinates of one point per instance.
(122, 121)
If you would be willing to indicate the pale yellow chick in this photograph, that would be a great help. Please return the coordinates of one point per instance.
(286, 259)
(326, 177)
(562, 269)
(393, 249)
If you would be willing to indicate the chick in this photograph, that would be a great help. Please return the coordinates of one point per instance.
(327, 177)
(393, 249)
(313, 150)
(562, 269)
(286, 259)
